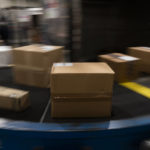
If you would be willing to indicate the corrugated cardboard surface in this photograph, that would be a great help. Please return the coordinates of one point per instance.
(81, 108)
(81, 90)
(144, 54)
(37, 56)
(31, 76)
(124, 70)
(13, 99)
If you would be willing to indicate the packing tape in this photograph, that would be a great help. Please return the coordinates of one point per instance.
(140, 89)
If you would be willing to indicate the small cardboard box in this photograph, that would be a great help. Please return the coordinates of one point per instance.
(37, 56)
(125, 66)
(13, 99)
(31, 76)
(144, 54)
(81, 90)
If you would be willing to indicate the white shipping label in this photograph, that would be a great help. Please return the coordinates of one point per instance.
(128, 58)
(146, 47)
(5, 48)
(13, 95)
(63, 64)
(48, 48)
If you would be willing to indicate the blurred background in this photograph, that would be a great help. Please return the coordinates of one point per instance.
(85, 27)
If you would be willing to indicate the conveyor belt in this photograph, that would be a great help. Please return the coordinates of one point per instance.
(126, 103)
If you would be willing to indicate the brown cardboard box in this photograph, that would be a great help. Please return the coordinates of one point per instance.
(144, 54)
(81, 78)
(31, 76)
(125, 66)
(13, 99)
(38, 56)
(33, 64)
(81, 90)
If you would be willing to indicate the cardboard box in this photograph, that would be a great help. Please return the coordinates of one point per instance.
(144, 54)
(13, 99)
(37, 56)
(125, 66)
(81, 90)
(81, 78)
(31, 76)
(33, 64)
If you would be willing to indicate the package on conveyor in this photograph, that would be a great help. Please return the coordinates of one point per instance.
(31, 76)
(144, 54)
(13, 99)
(5, 55)
(80, 90)
(124, 66)
(33, 64)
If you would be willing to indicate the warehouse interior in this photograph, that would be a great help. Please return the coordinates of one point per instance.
(74, 74)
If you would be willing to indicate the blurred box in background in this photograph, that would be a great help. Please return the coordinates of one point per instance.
(124, 66)
(144, 54)
(81, 90)
(33, 64)
(5, 55)
(13, 99)
(40, 56)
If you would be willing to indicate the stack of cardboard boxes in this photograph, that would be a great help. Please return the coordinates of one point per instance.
(81, 90)
(124, 66)
(33, 64)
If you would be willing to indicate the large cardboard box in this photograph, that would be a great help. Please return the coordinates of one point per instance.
(31, 76)
(37, 56)
(81, 90)
(144, 54)
(125, 66)
(13, 99)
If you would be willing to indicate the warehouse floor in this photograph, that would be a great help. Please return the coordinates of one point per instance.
(126, 103)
